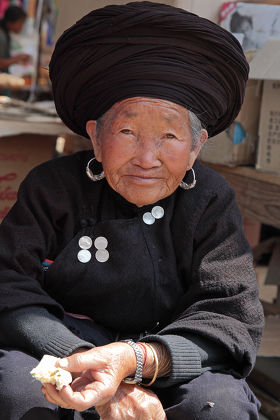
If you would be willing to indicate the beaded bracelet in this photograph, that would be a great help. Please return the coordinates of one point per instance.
(156, 368)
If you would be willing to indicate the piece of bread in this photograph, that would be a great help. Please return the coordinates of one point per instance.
(47, 372)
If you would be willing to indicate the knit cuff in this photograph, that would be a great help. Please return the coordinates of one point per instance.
(185, 359)
(63, 346)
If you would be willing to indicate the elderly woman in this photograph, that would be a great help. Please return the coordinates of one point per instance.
(138, 242)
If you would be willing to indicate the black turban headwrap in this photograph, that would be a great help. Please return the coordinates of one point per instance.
(147, 49)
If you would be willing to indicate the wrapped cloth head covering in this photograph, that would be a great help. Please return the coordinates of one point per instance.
(147, 49)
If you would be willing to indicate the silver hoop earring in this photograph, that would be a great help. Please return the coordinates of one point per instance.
(91, 176)
(186, 186)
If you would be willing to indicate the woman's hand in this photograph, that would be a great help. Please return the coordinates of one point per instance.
(132, 402)
(103, 369)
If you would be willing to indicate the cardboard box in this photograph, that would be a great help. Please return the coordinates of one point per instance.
(266, 65)
(18, 155)
(267, 292)
(259, 117)
(270, 345)
(268, 156)
(237, 145)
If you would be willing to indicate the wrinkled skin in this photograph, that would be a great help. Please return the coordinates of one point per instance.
(132, 402)
(101, 371)
(145, 146)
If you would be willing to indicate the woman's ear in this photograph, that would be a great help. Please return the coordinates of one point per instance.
(91, 130)
(203, 137)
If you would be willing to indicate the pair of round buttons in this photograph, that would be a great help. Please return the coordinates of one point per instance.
(100, 243)
(150, 217)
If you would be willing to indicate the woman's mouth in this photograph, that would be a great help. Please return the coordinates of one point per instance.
(142, 179)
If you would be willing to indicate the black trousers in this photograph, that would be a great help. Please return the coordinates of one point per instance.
(21, 397)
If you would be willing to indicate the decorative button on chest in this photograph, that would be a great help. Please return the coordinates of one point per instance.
(148, 218)
(157, 212)
(102, 255)
(100, 242)
(85, 242)
(84, 256)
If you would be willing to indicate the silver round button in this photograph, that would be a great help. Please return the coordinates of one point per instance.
(84, 256)
(85, 242)
(102, 255)
(157, 212)
(100, 242)
(148, 218)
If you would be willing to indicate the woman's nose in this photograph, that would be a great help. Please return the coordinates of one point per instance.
(147, 154)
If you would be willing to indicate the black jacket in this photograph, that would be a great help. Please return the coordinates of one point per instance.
(187, 280)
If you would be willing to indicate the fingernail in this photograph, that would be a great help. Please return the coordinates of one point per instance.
(63, 363)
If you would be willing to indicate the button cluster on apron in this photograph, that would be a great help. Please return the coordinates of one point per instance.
(100, 243)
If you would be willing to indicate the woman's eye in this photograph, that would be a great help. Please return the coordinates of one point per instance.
(170, 136)
(126, 131)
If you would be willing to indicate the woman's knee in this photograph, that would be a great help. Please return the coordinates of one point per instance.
(19, 392)
(212, 396)
(15, 372)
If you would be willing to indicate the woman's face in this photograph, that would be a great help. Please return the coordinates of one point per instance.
(145, 146)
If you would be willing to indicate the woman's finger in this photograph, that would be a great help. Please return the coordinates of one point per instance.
(86, 398)
(46, 395)
(79, 401)
(79, 362)
(54, 396)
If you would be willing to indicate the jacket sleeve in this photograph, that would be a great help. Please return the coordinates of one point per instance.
(29, 317)
(34, 330)
(220, 323)
(30, 233)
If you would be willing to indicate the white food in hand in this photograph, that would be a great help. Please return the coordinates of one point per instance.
(47, 372)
